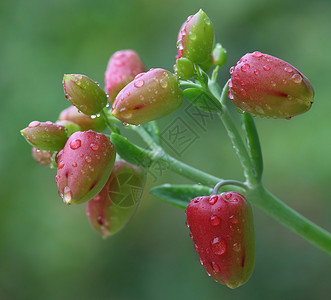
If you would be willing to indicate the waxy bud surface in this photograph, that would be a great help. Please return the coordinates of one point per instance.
(196, 38)
(219, 55)
(150, 96)
(122, 68)
(85, 122)
(45, 135)
(84, 166)
(268, 86)
(184, 68)
(223, 234)
(84, 93)
(114, 206)
(42, 157)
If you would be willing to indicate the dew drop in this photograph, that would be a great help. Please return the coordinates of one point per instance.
(61, 164)
(100, 220)
(296, 78)
(196, 247)
(227, 196)
(218, 246)
(214, 220)
(94, 147)
(88, 159)
(34, 124)
(213, 200)
(163, 83)
(75, 144)
(118, 63)
(257, 72)
(243, 92)
(231, 70)
(233, 219)
(67, 195)
(266, 68)
(193, 36)
(236, 247)
(196, 200)
(216, 267)
(230, 84)
(288, 70)
(74, 164)
(139, 83)
(257, 54)
(245, 67)
(230, 95)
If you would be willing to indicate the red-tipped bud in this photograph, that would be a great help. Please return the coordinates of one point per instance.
(84, 93)
(85, 122)
(196, 38)
(114, 206)
(150, 96)
(223, 234)
(42, 157)
(84, 166)
(122, 68)
(45, 135)
(268, 86)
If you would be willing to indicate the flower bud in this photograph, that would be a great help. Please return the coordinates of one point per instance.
(84, 93)
(184, 68)
(222, 230)
(70, 126)
(85, 122)
(196, 38)
(122, 68)
(114, 206)
(268, 86)
(45, 136)
(84, 166)
(219, 55)
(150, 96)
(42, 157)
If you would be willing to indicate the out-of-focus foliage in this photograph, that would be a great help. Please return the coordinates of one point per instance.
(49, 251)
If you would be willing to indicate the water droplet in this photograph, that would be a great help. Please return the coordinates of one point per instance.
(233, 219)
(243, 92)
(242, 83)
(100, 220)
(216, 267)
(257, 72)
(196, 200)
(288, 70)
(266, 68)
(91, 168)
(141, 97)
(34, 124)
(218, 246)
(163, 83)
(245, 67)
(125, 124)
(94, 147)
(196, 247)
(67, 195)
(61, 164)
(119, 63)
(213, 200)
(231, 70)
(83, 107)
(97, 156)
(75, 144)
(230, 95)
(193, 36)
(56, 178)
(236, 247)
(139, 83)
(273, 83)
(230, 84)
(88, 159)
(227, 196)
(74, 164)
(257, 54)
(214, 220)
(296, 78)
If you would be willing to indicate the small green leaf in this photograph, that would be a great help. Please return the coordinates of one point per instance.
(202, 100)
(130, 152)
(153, 130)
(180, 195)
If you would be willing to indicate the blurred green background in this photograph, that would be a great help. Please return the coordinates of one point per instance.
(49, 251)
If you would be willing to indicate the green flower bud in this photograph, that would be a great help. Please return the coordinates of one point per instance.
(114, 206)
(219, 55)
(85, 122)
(45, 136)
(84, 93)
(196, 38)
(184, 68)
(150, 96)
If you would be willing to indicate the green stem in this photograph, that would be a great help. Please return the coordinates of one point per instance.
(106, 116)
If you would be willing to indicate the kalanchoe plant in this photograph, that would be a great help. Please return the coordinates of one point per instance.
(221, 225)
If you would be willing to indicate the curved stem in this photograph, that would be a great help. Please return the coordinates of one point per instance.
(228, 182)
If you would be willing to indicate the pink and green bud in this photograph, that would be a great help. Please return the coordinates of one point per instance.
(114, 206)
(84, 93)
(42, 157)
(45, 135)
(268, 86)
(184, 68)
(84, 166)
(122, 68)
(85, 122)
(196, 38)
(70, 126)
(219, 55)
(150, 96)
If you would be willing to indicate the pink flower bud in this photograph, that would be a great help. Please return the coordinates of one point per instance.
(114, 206)
(84, 166)
(150, 96)
(268, 86)
(45, 135)
(85, 122)
(84, 93)
(122, 68)
(42, 157)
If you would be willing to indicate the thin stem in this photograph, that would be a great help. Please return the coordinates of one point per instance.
(228, 182)
(105, 115)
